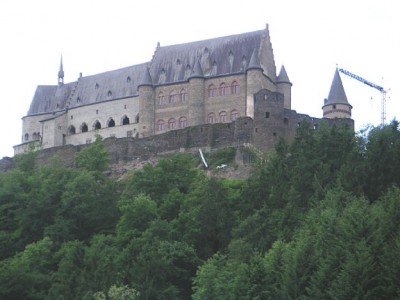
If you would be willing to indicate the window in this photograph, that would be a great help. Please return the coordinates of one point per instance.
(267, 114)
(183, 122)
(211, 118)
(125, 120)
(285, 121)
(161, 99)
(97, 111)
(172, 97)
(71, 129)
(96, 86)
(111, 122)
(129, 133)
(84, 127)
(234, 115)
(160, 125)
(235, 88)
(334, 106)
(137, 118)
(96, 125)
(212, 91)
(26, 137)
(34, 136)
(109, 94)
(128, 79)
(223, 116)
(183, 95)
(223, 89)
(171, 123)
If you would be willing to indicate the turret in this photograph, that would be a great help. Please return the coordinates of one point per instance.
(146, 105)
(61, 74)
(255, 81)
(336, 106)
(196, 96)
(284, 86)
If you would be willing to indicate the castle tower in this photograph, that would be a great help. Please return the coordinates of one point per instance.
(146, 105)
(61, 74)
(196, 96)
(337, 106)
(255, 78)
(284, 86)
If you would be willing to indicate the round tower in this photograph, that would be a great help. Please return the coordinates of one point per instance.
(146, 105)
(336, 105)
(254, 78)
(284, 86)
(196, 105)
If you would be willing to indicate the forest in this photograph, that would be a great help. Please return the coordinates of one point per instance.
(318, 218)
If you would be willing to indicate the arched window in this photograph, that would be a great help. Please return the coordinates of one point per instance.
(234, 115)
(223, 89)
(26, 137)
(235, 88)
(172, 97)
(125, 120)
(223, 116)
(96, 125)
(183, 95)
(34, 136)
(84, 127)
(161, 99)
(160, 125)
(71, 129)
(183, 122)
(171, 123)
(110, 122)
(212, 91)
(211, 118)
(109, 94)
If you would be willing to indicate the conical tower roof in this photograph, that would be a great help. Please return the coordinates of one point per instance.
(197, 71)
(254, 61)
(283, 77)
(337, 94)
(146, 80)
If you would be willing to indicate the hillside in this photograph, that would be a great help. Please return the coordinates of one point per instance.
(314, 219)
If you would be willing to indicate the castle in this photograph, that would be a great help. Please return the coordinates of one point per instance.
(220, 80)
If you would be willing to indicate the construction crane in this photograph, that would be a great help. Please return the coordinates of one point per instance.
(375, 86)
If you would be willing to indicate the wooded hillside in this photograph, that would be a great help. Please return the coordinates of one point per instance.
(318, 219)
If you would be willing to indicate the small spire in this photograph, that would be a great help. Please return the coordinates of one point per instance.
(197, 71)
(61, 73)
(337, 93)
(254, 62)
(146, 80)
(283, 77)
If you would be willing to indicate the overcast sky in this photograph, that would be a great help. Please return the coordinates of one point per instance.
(310, 37)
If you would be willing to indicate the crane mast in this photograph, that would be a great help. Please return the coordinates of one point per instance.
(375, 86)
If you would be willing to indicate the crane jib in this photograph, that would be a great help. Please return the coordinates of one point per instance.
(381, 89)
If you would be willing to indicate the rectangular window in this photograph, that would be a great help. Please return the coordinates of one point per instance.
(267, 114)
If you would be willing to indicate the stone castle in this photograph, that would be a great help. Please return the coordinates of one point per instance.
(226, 81)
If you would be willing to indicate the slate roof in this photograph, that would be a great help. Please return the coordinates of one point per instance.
(170, 64)
(337, 94)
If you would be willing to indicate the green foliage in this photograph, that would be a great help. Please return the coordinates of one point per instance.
(94, 157)
(318, 219)
(221, 156)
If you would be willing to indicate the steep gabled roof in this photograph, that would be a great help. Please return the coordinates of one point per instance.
(218, 56)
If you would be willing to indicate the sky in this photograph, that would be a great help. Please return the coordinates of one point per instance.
(309, 37)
